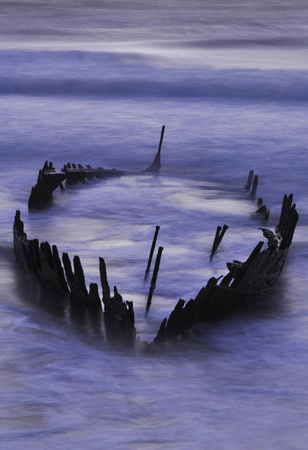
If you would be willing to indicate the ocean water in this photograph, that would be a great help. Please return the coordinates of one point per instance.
(93, 83)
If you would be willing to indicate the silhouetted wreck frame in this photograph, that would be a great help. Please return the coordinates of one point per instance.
(49, 179)
(42, 262)
(243, 285)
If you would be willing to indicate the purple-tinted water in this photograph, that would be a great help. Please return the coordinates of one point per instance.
(93, 84)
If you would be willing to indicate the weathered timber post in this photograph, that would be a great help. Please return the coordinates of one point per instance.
(59, 268)
(154, 277)
(68, 270)
(79, 276)
(254, 185)
(218, 238)
(104, 281)
(261, 213)
(118, 315)
(249, 180)
(94, 299)
(288, 221)
(161, 138)
(155, 166)
(252, 180)
(151, 253)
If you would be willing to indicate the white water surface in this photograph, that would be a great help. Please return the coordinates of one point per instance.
(92, 83)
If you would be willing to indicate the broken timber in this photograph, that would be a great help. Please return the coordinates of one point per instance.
(262, 213)
(147, 271)
(245, 283)
(153, 280)
(49, 179)
(220, 232)
(252, 180)
(42, 262)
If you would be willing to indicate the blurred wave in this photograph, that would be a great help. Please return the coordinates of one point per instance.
(128, 76)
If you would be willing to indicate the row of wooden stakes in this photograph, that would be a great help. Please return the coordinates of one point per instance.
(42, 262)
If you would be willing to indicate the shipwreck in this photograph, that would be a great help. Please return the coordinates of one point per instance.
(244, 284)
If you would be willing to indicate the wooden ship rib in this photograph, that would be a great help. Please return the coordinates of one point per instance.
(243, 285)
(42, 263)
(49, 179)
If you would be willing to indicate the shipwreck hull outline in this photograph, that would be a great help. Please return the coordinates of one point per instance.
(241, 287)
